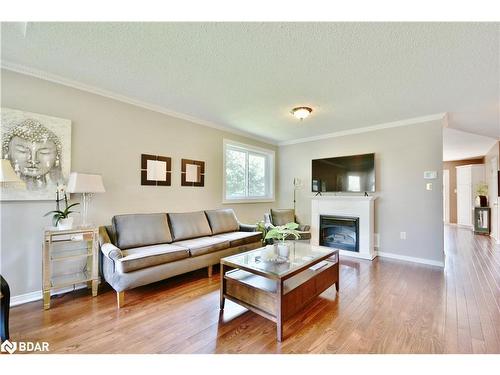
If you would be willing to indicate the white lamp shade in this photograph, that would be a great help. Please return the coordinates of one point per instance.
(85, 183)
(7, 173)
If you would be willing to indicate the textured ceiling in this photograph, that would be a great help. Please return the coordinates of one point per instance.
(248, 76)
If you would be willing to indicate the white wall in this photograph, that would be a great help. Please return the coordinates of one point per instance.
(108, 138)
(402, 154)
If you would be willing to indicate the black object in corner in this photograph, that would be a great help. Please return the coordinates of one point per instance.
(4, 309)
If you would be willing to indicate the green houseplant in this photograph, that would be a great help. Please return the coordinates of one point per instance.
(60, 218)
(281, 233)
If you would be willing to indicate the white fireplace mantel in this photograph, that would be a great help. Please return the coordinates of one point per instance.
(361, 207)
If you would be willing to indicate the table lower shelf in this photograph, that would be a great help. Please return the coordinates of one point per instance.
(70, 279)
(260, 294)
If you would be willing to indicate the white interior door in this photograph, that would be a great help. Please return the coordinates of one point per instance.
(464, 196)
(446, 196)
(464, 204)
(493, 194)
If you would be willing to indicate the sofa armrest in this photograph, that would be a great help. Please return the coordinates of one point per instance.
(103, 236)
(248, 227)
(304, 228)
(111, 252)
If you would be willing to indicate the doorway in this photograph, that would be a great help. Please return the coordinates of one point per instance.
(446, 196)
(493, 197)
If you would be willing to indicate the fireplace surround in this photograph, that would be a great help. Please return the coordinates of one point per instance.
(350, 206)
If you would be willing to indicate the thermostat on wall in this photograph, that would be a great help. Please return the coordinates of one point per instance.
(430, 175)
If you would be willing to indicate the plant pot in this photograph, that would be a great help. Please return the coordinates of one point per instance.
(65, 224)
(283, 250)
(481, 201)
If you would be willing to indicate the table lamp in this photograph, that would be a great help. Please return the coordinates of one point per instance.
(7, 174)
(87, 185)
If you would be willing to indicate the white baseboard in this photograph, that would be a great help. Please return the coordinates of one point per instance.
(410, 259)
(471, 227)
(352, 254)
(38, 295)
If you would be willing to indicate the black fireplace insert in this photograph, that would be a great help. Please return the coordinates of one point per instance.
(339, 232)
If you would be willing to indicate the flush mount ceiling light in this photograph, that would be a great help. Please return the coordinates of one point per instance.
(301, 112)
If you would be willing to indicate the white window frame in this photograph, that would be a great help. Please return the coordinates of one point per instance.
(270, 171)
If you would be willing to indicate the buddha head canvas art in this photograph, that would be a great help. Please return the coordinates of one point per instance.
(39, 150)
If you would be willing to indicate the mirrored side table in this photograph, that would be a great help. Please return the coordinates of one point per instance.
(482, 220)
(70, 257)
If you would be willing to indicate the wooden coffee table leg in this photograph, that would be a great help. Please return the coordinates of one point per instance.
(279, 311)
(222, 286)
(337, 274)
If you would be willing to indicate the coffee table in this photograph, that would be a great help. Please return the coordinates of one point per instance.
(274, 289)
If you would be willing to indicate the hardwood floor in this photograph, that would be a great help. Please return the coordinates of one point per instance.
(384, 306)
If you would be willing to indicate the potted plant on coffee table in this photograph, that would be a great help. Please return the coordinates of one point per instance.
(281, 233)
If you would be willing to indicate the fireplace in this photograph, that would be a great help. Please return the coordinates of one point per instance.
(339, 232)
(347, 207)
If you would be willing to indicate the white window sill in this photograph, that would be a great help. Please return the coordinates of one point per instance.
(256, 200)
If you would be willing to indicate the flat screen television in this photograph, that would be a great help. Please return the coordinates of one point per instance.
(350, 174)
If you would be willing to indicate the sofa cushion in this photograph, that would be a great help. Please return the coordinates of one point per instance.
(240, 238)
(148, 256)
(138, 230)
(222, 221)
(204, 245)
(282, 217)
(189, 225)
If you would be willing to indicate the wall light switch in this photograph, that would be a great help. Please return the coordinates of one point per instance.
(428, 186)
(402, 235)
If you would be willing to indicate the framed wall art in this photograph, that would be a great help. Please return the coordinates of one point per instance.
(39, 150)
(156, 170)
(192, 173)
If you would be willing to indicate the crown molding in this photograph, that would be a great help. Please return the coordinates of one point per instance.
(18, 68)
(387, 125)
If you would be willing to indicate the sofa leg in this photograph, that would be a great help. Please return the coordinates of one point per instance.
(210, 270)
(120, 299)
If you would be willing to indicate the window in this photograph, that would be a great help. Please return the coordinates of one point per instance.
(248, 173)
(353, 183)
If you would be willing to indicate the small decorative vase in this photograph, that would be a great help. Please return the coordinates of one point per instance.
(65, 224)
(481, 201)
(283, 250)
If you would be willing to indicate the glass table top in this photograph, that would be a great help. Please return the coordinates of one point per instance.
(266, 260)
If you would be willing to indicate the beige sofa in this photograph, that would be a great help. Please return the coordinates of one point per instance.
(139, 249)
